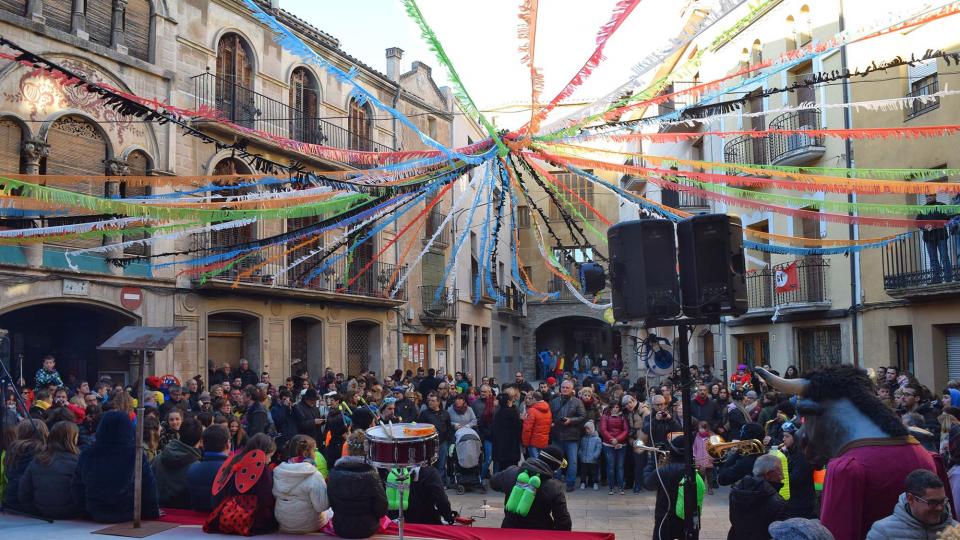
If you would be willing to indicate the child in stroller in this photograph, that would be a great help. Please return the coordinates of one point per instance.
(466, 455)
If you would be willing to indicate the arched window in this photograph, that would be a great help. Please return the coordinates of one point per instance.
(18, 7)
(99, 17)
(790, 32)
(235, 79)
(58, 14)
(804, 29)
(11, 137)
(756, 53)
(235, 235)
(140, 165)
(77, 148)
(359, 127)
(136, 28)
(304, 106)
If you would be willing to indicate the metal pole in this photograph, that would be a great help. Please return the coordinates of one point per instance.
(138, 466)
(691, 516)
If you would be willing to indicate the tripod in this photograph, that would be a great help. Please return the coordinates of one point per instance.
(7, 385)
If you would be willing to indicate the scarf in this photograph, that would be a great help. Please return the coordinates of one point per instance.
(487, 417)
(700, 399)
(461, 410)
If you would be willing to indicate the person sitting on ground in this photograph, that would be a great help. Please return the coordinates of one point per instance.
(41, 490)
(105, 470)
(300, 490)
(170, 467)
(356, 494)
(244, 504)
(200, 475)
(549, 508)
(30, 440)
(922, 512)
(755, 502)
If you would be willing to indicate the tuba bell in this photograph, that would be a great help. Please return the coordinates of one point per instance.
(718, 449)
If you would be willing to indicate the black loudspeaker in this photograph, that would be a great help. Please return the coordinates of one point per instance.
(712, 266)
(592, 278)
(643, 270)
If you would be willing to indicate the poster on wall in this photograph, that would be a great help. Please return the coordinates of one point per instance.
(423, 354)
(441, 359)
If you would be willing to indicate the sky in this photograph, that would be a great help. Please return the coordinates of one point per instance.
(481, 40)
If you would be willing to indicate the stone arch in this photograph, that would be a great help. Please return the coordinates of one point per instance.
(581, 333)
(364, 346)
(254, 58)
(307, 335)
(44, 132)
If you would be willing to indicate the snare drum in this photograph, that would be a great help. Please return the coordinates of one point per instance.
(402, 445)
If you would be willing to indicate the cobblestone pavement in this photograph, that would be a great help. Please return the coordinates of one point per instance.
(629, 516)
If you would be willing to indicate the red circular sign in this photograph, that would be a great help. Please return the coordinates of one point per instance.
(131, 298)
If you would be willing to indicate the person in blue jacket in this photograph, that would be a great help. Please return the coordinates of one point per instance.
(200, 475)
(104, 477)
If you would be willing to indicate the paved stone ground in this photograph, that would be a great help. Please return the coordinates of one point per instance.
(630, 517)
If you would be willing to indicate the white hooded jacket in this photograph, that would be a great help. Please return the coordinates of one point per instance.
(301, 494)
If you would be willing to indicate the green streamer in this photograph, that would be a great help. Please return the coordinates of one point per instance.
(99, 233)
(117, 207)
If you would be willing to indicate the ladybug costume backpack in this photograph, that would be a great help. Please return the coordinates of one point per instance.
(246, 499)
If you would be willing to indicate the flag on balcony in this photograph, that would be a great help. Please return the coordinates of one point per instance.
(787, 279)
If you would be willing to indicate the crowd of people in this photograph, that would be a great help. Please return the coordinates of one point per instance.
(305, 440)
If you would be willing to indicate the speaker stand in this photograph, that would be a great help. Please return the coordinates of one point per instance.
(691, 517)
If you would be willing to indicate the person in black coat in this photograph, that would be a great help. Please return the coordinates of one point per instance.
(428, 499)
(549, 509)
(505, 432)
(171, 465)
(803, 493)
(736, 465)
(281, 411)
(665, 480)
(200, 475)
(256, 419)
(705, 409)
(336, 428)
(755, 502)
(357, 496)
(104, 478)
(307, 415)
(248, 377)
(42, 489)
(31, 438)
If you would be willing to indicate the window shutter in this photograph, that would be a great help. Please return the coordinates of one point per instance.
(139, 164)
(922, 69)
(10, 139)
(136, 29)
(433, 267)
(59, 14)
(77, 148)
(953, 352)
(100, 20)
(18, 7)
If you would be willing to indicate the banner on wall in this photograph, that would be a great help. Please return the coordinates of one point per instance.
(787, 278)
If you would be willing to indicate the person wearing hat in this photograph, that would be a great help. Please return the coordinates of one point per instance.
(307, 415)
(549, 508)
(802, 501)
(664, 478)
(799, 529)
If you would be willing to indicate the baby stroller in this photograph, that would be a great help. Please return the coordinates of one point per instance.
(465, 458)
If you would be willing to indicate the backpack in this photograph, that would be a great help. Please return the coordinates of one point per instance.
(701, 487)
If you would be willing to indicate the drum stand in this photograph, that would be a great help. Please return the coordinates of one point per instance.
(402, 475)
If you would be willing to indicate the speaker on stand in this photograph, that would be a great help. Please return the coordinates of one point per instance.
(643, 270)
(712, 266)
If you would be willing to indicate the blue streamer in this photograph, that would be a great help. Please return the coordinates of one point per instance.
(840, 250)
(464, 235)
(480, 279)
(514, 265)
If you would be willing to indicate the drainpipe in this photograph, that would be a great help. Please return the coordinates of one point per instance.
(396, 231)
(854, 230)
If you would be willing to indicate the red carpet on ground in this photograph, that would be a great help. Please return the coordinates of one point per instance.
(188, 517)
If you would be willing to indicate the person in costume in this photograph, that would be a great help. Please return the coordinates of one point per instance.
(243, 501)
(547, 508)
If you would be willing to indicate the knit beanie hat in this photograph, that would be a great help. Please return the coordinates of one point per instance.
(799, 529)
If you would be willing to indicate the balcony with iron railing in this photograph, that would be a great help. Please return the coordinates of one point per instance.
(795, 148)
(914, 267)
(253, 110)
(811, 291)
(511, 301)
(434, 222)
(746, 150)
(268, 269)
(564, 296)
(684, 200)
(438, 310)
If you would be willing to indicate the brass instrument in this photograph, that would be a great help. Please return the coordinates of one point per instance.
(718, 449)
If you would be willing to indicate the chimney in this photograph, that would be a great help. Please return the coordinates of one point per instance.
(394, 56)
(275, 5)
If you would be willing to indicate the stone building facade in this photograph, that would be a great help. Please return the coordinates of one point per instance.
(197, 54)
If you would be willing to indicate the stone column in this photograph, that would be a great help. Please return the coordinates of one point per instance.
(79, 19)
(33, 152)
(114, 167)
(116, 34)
(35, 11)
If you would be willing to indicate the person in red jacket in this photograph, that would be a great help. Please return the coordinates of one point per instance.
(536, 424)
(613, 433)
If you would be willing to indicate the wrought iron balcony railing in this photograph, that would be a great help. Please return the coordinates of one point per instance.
(930, 85)
(915, 264)
(512, 300)
(434, 309)
(746, 150)
(812, 284)
(795, 148)
(435, 221)
(269, 267)
(252, 110)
